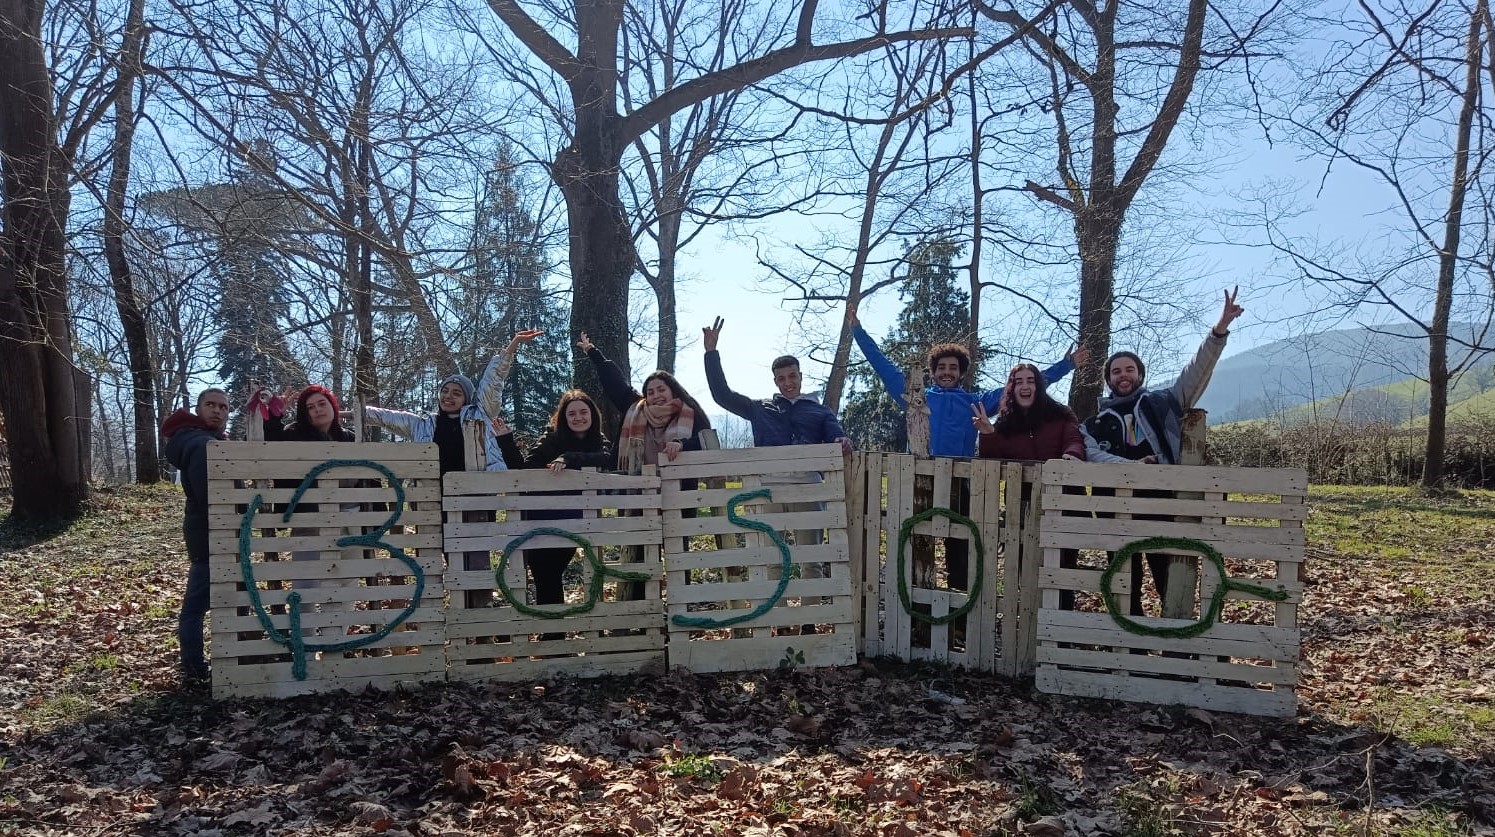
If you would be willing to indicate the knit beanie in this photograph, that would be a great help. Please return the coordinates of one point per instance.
(1141, 369)
(462, 381)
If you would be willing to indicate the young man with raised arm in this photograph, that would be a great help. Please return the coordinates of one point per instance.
(1137, 424)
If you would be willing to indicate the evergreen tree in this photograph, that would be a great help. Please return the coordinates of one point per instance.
(506, 291)
(935, 310)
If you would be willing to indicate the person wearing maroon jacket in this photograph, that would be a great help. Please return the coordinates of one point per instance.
(187, 436)
(1030, 423)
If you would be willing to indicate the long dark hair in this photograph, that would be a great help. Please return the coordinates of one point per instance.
(1012, 418)
(593, 439)
(679, 392)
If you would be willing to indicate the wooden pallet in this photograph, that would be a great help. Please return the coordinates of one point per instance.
(1247, 660)
(348, 593)
(892, 488)
(490, 638)
(742, 573)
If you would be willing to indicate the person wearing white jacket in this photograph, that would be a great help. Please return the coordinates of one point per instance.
(457, 401)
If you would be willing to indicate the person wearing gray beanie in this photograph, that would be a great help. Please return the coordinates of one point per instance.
(457, 401)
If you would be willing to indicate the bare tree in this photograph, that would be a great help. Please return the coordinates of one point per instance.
(126, 300)
(1404, 102)
(1097, 56)
(366, 131)
(587, 168)
(38, 390)
(715, 162)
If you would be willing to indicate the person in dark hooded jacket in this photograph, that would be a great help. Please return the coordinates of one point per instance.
(187, 436)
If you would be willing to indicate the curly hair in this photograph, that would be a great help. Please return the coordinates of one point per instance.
(940, 351)
(1012, 418)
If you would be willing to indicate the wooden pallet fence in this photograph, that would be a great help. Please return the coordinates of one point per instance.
(365, 616)
(726, 610)
(1245, 659)
(614, 626)
(890, 489)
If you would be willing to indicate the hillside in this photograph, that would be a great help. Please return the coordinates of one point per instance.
(1318, 371)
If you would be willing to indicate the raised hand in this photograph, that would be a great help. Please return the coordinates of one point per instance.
(1080, 354)
(1230, 312)
(500, 427)
(710, 333)
(585, 343)
(980, 420)
(522, 337)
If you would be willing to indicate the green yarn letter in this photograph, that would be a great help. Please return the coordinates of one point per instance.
(906, 531)
(1211, 614)
(291, 637)
(594, 589)
(786, 566)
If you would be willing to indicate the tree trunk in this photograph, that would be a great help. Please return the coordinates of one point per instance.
(664, 283)
(1448, 258)
(1098, 237)
(37, 389)
(126, 301)
(602, 254)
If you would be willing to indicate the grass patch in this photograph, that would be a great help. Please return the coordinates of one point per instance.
(1432, 720)
(60, 709)
(1396, 531)
(693, 766)
(1435, 822)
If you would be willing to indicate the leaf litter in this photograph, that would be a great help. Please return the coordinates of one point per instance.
(98, 737)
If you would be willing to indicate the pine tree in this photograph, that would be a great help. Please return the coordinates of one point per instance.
(935, 310)
(507, 291)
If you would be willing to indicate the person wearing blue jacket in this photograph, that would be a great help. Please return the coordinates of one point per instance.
(788, 418)
(951, 405)
(951, 433)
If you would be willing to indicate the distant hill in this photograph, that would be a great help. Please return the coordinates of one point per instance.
(1376, 369)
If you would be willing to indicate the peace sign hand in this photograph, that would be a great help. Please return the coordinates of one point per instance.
(709, 335)
(1231, 311)
(585, 343)
(980, 420)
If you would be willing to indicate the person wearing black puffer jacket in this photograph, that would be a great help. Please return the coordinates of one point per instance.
(572, 439)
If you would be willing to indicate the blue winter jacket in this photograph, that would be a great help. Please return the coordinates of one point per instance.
(775, 421)
(950, 430)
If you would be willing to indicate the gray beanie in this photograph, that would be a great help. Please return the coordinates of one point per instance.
(462, 381)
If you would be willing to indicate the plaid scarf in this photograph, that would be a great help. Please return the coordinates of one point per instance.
(671, 422)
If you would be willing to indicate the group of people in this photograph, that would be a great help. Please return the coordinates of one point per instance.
(1018, 420)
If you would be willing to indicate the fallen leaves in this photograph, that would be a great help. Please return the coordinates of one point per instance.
(95, 737)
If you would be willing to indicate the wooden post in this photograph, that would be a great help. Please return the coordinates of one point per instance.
(474, 445)
(917, 413)
(1183, 570)
(357, 411)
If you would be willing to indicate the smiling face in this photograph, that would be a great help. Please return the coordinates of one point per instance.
(451, 397)
(657, 392)
(1123, 376)
(946, 372)
(1024, 386)
(319, 412)
(578, 416)
(788, 380)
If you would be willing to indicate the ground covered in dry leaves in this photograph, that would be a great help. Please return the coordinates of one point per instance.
(1395, 734)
